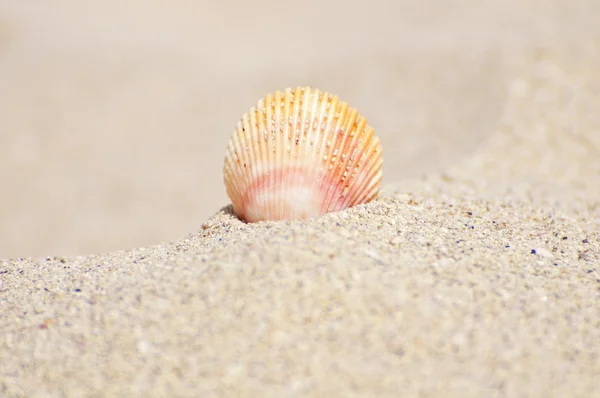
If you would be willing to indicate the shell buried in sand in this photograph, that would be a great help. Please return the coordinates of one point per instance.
(299, 154)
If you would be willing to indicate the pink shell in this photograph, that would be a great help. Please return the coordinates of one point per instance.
(299, 154)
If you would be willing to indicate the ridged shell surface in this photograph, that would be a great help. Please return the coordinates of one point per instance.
(299, 154)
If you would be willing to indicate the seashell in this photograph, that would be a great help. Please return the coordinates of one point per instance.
(299, 154)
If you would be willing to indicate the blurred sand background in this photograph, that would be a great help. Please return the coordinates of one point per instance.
(476, 273)
(115, 114)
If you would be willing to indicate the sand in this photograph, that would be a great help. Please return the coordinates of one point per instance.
(476, 272)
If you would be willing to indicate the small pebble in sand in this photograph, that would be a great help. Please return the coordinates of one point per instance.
(542, 252)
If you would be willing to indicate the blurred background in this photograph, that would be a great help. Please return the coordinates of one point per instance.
(114, 115)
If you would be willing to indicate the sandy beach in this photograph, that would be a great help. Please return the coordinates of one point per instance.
(124, 272)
